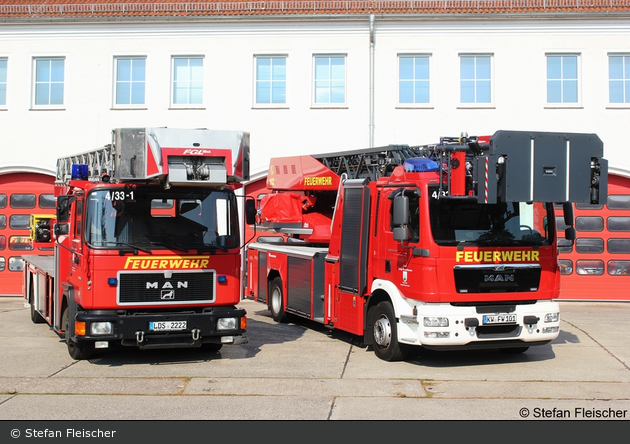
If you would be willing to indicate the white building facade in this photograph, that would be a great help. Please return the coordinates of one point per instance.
(307, 81)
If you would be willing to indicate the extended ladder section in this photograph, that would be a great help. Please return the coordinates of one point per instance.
(169, 155)
(510, 166)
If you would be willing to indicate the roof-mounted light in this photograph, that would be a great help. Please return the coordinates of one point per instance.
(80, 172)
(420, 165)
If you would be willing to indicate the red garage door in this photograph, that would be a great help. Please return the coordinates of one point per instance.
(597, 265)
(21, 194)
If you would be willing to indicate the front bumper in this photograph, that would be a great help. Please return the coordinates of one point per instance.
(464, 327)
(133, 329)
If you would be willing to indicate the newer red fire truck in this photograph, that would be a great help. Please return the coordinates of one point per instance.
(446, 246)
(147, 248)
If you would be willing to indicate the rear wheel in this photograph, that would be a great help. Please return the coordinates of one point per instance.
(276, 301)
(76, 351)
(385, 336)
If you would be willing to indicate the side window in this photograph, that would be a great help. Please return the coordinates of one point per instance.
(413, 79)
(3, 83)
(187, 81)
(329, 80)
(271, 80)
(476, 79)
(618, 79)
(48, 83)
(130, 81)
(562, 79)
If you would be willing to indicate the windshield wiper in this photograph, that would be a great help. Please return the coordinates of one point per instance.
(134, 248)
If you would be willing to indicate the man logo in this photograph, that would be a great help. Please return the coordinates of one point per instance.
(167, 295)
(167, 284)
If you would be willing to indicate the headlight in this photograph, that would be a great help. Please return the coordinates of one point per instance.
(552, 317)
(435, 322)
(101, 328)
(227, 324)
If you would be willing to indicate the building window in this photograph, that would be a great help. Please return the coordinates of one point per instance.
(3, 82)
(562, 79)
(49, 82)
(589, 245)
(589, 223)
(589, 267)
(187, 81)
(413, 79)
(619, 268)
(475, 79)
(23, 201)
(619, 202)
(330, 80)
(271, 80)
(619, 78)
(130, 81)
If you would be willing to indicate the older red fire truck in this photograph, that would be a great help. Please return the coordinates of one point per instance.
(147, 248)
(447, 246)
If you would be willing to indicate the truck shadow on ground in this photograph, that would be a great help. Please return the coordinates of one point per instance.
(258, 334)
(452, 358)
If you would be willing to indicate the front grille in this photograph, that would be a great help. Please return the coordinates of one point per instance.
(509, 278)
(155, 288)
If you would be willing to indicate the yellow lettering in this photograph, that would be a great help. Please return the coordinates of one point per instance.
(535, 256)
(186, 263)
(127, 262)
(204, 263)
(478, 256)
(194, 263)
(496, 256)
(525, 256)
(507, 255)
(163, 263)
(458, 256)
(517, 256)
(176, 263)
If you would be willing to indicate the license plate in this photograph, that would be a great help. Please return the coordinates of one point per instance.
(499, 319)
(167, 325)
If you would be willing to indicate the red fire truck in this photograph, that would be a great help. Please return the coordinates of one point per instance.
(446, 246)
(147, 248)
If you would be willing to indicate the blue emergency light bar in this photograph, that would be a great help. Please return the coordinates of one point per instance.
(420, 165)
(80, 172)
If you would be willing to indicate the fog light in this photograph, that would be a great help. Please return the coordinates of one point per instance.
(437, 334)
(435, 322)
(101, 344)
(227, 339)
(550, 329)
(226, 324)
(552, 317)
(101, 328)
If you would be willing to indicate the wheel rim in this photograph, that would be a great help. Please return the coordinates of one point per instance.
(382, 332)
(276, 300)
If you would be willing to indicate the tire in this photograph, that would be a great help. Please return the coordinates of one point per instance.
(35, 316)
(385, 334)
(276, 301)
(76, 351)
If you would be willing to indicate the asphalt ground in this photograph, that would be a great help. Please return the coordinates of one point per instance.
(303, 371)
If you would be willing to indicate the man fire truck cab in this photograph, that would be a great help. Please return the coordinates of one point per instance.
(446, 246)
(147, 248)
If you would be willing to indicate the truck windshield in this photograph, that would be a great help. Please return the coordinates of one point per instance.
(459, 221)
(151, 218)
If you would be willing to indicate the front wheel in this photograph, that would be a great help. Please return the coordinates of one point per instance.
(385, 340)
(76, 351)
(276, 301)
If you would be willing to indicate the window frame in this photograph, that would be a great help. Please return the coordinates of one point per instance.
(414, 104)
(330, 56)
(562, 79)
(476, 104)
(189, 82)
(115, 104)
(270, 104)
(35, 83)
